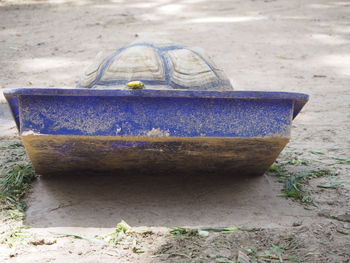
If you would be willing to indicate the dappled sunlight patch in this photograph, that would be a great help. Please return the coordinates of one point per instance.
(344, 29)
(58, 1)
(172, 9)
(342, 3)
(160, 12)
(150, 4)
(330, 4)
(340, 62)
(292, 17)
(329, 39)
(117, 1)
(162, 2)
(47, 63)
(150, 17)
(143, 5)
(6, 32)
(34, 2)
(232, 19)
(192, 1)
(321, 6)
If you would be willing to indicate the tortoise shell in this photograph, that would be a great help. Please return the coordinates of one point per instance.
(157, 66)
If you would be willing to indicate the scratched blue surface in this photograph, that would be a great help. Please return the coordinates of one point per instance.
(179, 114)
(136, 116)
(13, 103)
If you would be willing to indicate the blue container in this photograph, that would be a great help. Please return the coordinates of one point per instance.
(110, 130)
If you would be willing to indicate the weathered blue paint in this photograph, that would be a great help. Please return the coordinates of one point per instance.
(109, 129)
(13, 103)
(232, 114)
(299, 99)
(134, 116)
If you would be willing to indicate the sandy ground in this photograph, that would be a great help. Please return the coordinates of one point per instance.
(300, 46)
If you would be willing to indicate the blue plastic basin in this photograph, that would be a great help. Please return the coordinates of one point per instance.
(106, 130)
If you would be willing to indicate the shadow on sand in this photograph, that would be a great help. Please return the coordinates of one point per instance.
(157, 200)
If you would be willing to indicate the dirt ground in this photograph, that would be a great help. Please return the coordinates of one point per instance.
(300, 46)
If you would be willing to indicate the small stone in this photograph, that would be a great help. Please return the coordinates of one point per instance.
(243, 258)
(203, 233)
(297, 223)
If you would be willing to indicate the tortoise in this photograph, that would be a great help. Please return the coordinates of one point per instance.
(155, 65)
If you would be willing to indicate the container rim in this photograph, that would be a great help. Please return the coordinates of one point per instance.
(299, 99)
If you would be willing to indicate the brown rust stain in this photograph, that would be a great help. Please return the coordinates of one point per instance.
(57, 154)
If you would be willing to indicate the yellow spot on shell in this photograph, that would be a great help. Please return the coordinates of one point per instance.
(136, 85)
